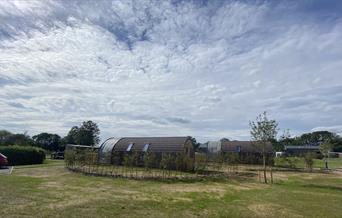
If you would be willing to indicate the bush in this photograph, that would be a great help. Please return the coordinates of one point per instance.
(287, 162)
(308, 160)
(23, 155)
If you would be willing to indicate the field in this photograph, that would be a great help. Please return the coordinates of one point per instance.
(49, 190)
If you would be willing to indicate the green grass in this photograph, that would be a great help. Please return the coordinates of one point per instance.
(49, 190)
(333, 163)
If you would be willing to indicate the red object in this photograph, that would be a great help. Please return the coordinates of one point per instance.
(3, 160)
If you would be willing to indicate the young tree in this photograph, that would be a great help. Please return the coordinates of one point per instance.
(149, 161)
(263, 131)
(308, 160)
(200, 163)
(129, 162)
(164, 163)
(180, 161)
(325, 148)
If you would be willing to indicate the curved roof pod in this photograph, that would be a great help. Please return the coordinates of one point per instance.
(105, 150)
(155, 144)
(244, 146)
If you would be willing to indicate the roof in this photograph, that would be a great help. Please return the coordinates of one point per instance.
(243, 146)
(301, 147)
(106, 149)
(213, 146)
(81, 146)
(156, 144)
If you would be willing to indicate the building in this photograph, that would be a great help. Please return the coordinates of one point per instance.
(300, 150)
(244, 147)
(113, 150)
(212, 147)
(244, 151)
(248, 152)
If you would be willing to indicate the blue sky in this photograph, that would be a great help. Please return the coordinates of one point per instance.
(161, 68)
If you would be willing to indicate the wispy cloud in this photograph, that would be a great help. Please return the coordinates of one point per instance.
(201, 68)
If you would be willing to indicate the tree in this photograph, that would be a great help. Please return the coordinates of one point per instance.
(149, 160)
(17, 139)
(47, 141)
(195, 143)
(87, 134)
(285, 139)
(263, 131)
(325, 148)
(308, 160)
(73, 136)
(4, 137)
(180, 161)
(316, 137)
(200, 162)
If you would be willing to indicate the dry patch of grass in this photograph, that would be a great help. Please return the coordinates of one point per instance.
(53, 191)
(271, 210)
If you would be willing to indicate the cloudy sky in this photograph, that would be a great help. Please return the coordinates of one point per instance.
(162, 68)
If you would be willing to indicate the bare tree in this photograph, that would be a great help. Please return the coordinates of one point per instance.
(263, 132)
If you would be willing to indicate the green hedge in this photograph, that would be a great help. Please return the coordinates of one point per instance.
(23, 155)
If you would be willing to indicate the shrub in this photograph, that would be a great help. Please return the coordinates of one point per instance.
(200, 162)
(288, 162)
(23, 155)
(69, 157)
(308, 160)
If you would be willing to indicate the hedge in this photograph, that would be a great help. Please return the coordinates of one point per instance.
(23, 155)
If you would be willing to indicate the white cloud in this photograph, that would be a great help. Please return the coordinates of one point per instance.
(162, 68)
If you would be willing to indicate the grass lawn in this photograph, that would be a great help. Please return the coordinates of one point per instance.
(49, 190)
(333, 163)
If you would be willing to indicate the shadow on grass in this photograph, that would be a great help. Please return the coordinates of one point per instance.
(327, 187)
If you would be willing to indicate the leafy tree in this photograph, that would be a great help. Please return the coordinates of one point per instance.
(263, 131)
(73, 136)
(285, 140)
(47, 141)
(18, 139)
(87, 134)
(4, 137)
(314, 138)
(325, 148)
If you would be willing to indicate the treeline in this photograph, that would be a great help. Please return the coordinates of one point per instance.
(85, 134)
(314, 138)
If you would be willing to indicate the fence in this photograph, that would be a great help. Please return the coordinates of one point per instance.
(166, 168)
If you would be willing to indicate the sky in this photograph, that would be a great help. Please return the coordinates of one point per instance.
(170, 68)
